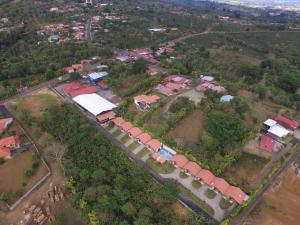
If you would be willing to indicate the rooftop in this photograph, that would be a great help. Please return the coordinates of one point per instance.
(193, 168)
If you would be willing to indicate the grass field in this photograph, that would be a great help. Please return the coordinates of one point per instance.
(142, 153)
(117, 132)
(66, 214)
(157, 167)
(133, 146)
(125, 139)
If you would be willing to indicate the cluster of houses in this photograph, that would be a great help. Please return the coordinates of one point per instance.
(7, 144)
(162, 154)
(274, 132)
(172, 84)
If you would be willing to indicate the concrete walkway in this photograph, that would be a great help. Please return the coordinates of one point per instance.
(199, 192)
(138, 149)
(146, 157)
(121, 135)
(129, 142)
(113, 129)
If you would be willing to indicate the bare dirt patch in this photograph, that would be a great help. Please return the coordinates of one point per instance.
(281, 203)
(190, 129)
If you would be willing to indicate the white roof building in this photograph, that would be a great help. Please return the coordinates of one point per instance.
(207, 78)
(98, 75)
(270, 122)
(278, 131)
(94, 103)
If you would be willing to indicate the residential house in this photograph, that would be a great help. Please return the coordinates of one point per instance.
(219, 184)
(106, 116)
(144, 102)
(192, 168)
(287, 122)
(10, 142)
(205, 176)
(134, 132)
(236, 194)
(154, 145)
(103, 86)
(164, 90)
(4, 123)
(118, 121)
(143, 138)
(267, 143)
(179, 161)
(126, 126)
(5, 153)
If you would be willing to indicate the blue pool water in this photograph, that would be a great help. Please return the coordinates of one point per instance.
(165, 154)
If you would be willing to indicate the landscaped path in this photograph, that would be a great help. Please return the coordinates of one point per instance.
(200, 193)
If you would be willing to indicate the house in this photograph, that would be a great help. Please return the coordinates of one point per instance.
(4, 123)
(118, 121)
(277, 131)
(10, 142)
(226, 98)
(236, 194)
(204, 86)
(94, 103)
(205, 176)
(77, 67)
(144, 102)
(157, 157)
(154, 145)
(192, 168)
(152, 71)
(76, 88)
(143, 138)
(134, 132)
(97, 76)
(69, 70)
(106, 116)
(164, 90)
(207, 78)
(126, 126)
(269, 123)
(177, 80)
(267, 143)
(286, 122)
(173, 86)
(5, 153)
(219, 184)
(179, 161)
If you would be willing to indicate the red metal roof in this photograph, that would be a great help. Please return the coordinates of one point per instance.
(144, 138)
(103, 85)
(8, 141)
(173, 86)
(154, 144)
(165, 90)
(82, 91)
(267, 143)
(287, 122)
(193, 168)
(206, 176)
(106, 116)
(169, 78)
(126, 126)
(134, 132)
(220, 184)
(147, 99)
(235, 193)
(118, 121)
(5, 152)
(4, 123)
(180, 160)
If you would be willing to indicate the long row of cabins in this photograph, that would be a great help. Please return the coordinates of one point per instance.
(162, 154)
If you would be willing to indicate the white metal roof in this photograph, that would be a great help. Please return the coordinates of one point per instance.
(278, 130)
(270, 122)
(94, 103)
(207, 78)
(168, 149)
(95, 76)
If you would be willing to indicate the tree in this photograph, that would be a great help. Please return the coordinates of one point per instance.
(226, 128)
(129, 209)
(250, 72)
(169, 193)
(139, 66)
(75, 76)
(289, 82)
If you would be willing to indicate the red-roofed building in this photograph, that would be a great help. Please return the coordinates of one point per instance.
(126, 126)
(4, 123)
(152, 71)
(118, 121)
(143, 138)
(192, 168)
(287, 122)
(76, 88)
(77, 67)
(173, 86)
(106, 116)
(219, 184)
(69, 70)
(205, 176)
(158, 158)
(164, 90)
(85, 90)
(236, 194)
(10, 142)
(169, 78)
(144, 102)
(154, 145)
(179, 161)
(134, 132)
(267, 143)
(5, 153)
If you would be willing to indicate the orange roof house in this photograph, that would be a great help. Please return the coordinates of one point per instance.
(192, 168)
(134, 132)
(104, 117)
(144, 138)
(118, 121)
(154, 144)
(206, 176)
(5, 153)
(126, 126)
(4, 123)
(235, 193)
(77, 66)
(10, 142)
(144, 101)
(179, 160)
(220, 184)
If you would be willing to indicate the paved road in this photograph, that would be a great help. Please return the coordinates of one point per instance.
(245, 213)
(88, 29)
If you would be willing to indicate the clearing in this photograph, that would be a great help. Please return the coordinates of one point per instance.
(189, 130)
(281, 203)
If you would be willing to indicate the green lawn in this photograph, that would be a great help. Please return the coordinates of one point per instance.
(125, 139)
(142, 153)
(157, 167)
(210, 194)
(110, 126)
(133, 146)
(225, 203)
(117, 132)
(202, 204)
(183, 175)
(196, 184)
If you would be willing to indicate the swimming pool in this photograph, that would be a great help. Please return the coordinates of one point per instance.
(165, 154)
